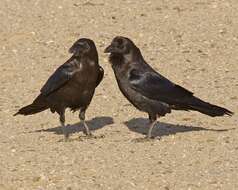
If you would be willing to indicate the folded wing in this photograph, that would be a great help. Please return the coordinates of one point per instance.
(157, 87)
(58, 79)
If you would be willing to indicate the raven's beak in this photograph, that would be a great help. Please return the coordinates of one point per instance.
(71, 50)
(109, 49)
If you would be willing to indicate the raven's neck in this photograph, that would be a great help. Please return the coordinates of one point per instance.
(134, 55)
(93, 55)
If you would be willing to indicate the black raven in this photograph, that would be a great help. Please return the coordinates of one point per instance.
(148, 90)
(72, 85)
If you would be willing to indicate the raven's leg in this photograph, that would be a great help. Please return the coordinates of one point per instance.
(153, 119)
(62, 122)
(82, 118)
(148, 137)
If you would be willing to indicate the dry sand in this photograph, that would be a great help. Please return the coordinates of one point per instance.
(192, 42)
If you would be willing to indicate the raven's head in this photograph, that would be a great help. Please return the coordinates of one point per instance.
(83, 46)
(120, 45)
(122, 50)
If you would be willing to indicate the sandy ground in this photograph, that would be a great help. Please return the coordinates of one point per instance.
(193, 42)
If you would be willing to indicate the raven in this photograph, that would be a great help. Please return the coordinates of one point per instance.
(72, 85)
(148, 90)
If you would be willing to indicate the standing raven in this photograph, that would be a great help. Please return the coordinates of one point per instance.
(72, 85)
(149, 91)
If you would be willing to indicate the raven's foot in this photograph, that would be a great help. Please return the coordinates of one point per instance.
(65, 133)
(87, 132)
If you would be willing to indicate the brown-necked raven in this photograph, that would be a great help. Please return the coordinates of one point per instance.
(72, 85)
(148, 90)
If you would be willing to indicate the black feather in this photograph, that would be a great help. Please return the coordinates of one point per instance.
(72, 85)
(148, 90)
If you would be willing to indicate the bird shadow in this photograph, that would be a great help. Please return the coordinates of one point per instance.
(93, 124)
(140, 125)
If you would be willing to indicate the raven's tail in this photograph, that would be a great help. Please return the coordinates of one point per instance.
(207, 108)
(38, 105)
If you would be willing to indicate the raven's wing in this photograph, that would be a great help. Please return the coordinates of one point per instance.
(155, 86)
(100, 75)
(58, 79)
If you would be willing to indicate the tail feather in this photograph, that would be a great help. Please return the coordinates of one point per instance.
(31, 109)
(207, 108)
(37, 106)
